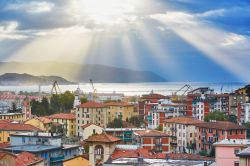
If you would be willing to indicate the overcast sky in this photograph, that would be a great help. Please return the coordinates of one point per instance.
(181, 40)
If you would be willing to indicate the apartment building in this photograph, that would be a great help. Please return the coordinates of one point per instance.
(165, 109)
(183, 133)
(122, 110)
(201, 101)
(91, 112)
(152, 140)
(68, 122)
(211, 132)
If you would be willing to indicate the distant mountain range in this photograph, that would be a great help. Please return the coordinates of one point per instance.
(27, 79)
(80, 72)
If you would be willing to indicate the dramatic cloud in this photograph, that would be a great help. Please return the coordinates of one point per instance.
(179, 39)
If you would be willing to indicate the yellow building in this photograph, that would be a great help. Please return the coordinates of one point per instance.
(12, 116)
(78, 160)
(42, 123)
(68, 121)
(11, 128)
(122, 110)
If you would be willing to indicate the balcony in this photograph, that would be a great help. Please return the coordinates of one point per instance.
(98, 156)
(173, 143)
(57, 158)
(158, 144)
(173, 129)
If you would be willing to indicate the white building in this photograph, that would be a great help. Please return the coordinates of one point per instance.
(163, 110)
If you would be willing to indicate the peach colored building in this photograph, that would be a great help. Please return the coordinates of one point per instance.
(211, 132)
(226, 151)
(153, 140)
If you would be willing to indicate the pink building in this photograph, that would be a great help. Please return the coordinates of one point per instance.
(227, 149)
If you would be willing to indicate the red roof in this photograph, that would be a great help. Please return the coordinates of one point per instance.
(4, 145)
(186, 156)
(26, 158)
(6, 121)
(151, 133)
(119, 153)
(183, 120)
(102, 138)
(44, 120)
(91, 104)
(121, 104)
(17, 127)
(222, 125)
(2, 154)
(89, 124)
(63, 116)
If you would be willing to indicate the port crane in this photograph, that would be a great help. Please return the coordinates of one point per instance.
(94, 90)
(55, 88)
(175, 96)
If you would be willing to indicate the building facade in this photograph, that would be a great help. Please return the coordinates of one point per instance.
(68, 122)
(183, 133)
(211, 132)
(226, 151)
(153, 140)
(90, 112)
(122, 110)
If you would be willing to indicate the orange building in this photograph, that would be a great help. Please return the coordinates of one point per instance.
(152, 140)
(211, 132)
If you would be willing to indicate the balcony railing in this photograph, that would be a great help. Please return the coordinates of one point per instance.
(57, 158)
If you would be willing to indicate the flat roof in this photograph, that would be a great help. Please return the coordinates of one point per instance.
(32, 148)
(37, 134)
(124, 129)
(233, 142)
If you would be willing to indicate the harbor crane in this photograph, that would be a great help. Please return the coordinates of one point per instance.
(184, 91)
(94, 90)
(55, 88)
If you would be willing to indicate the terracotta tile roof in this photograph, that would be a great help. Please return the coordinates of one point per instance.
(17, 127)
(44, 120)
(63, 116)
(118, 153)
(151, 133)
(3, 153)
(149, 155)
(223, 125)
(26, 158)
(183, 120)
(4, 145)
(6, 121)
(89, 124)
(122, 104)
(102, 138)
(186, 156)
(92, 104)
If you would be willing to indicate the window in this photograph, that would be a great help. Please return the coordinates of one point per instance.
(241, 131)
(94, 131)
(191, 135)
(236, 151)
(236, 163)
(231, 132)
(210, 130)
(222, 131)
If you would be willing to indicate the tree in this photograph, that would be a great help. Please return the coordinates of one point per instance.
(66, 101)
(247, 125)
(159, 128)
(136, 121)
(218, 116)
(83, 100)
(116, 123)
(232, 118)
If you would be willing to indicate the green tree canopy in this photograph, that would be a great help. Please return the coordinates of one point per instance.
(219, 116)
(84, 99)
(136, 121)
(116, 123)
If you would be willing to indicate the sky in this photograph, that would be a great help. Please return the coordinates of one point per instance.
(180, 40)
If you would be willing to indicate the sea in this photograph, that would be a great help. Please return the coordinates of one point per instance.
(131, 89)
